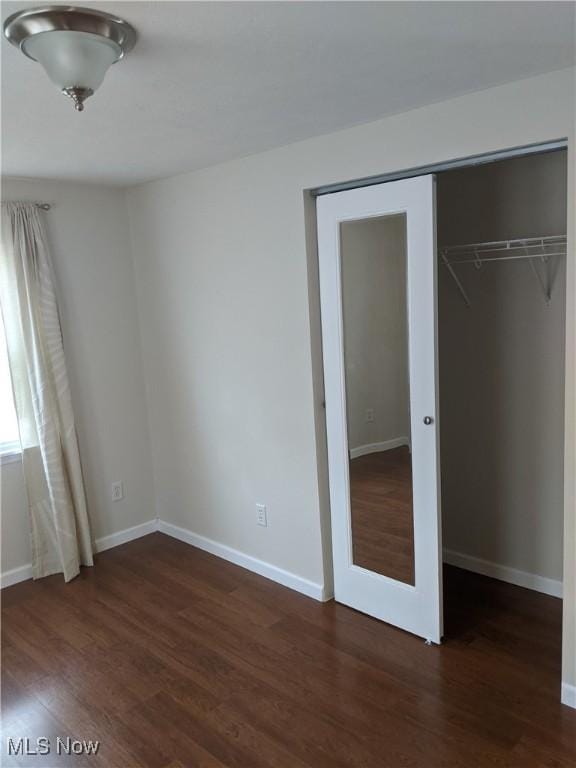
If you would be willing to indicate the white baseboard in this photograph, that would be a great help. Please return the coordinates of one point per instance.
(387, 445)
(292, 580)
(24, 572)
(128, 534)
(504, 573)
(16, 575)
(269, 571)
(568, 695)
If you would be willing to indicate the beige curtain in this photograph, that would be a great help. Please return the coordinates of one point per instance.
(59, 526)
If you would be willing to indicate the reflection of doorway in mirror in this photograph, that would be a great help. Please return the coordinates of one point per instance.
(374, 298)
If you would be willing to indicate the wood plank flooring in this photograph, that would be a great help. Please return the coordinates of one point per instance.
(382, 520)
(172, 658)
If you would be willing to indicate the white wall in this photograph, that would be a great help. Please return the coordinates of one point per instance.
(502, 370)
(233, 378)
(88, 233)
(374, 308)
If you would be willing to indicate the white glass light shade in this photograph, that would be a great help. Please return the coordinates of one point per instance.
(73, 59)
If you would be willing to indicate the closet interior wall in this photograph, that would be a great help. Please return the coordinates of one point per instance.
(502, 370)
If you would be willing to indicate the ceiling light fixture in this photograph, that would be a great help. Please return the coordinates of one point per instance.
(76, 46)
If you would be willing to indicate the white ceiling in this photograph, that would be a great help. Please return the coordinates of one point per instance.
(210, 81)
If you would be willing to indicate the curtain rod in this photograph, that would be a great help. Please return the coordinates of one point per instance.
(42, 206)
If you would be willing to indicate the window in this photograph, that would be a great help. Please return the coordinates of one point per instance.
(9, 438)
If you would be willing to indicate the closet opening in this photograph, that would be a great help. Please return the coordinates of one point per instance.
(443, 301)
(501, 233)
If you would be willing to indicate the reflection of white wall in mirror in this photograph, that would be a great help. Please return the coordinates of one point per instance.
(375, 333)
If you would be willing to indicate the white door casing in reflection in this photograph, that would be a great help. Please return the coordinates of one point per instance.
(416, 608)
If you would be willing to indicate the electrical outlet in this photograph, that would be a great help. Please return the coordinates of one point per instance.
(369, 416)
(261, 518)
(117, 490)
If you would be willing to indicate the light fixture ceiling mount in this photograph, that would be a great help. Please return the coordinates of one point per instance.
(76, 46)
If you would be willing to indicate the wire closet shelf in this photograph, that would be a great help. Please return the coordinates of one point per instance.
(530, 249)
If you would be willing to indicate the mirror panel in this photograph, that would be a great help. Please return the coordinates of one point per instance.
(375, 317)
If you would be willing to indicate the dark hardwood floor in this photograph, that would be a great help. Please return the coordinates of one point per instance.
(171, 657)
(382, 520)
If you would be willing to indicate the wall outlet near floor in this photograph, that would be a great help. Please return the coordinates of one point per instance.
(261, 517)
(369, 415)
(117, 490)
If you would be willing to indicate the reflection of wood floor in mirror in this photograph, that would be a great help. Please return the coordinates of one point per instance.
(382, 524)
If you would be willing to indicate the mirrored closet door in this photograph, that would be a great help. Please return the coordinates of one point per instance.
(377, 257)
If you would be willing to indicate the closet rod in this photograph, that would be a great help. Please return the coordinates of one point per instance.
(487, 259)
(525, 249)
(526, 245)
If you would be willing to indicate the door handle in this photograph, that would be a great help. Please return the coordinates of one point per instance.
(428, 420)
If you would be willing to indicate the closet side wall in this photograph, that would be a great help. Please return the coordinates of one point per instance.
(502, 370)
